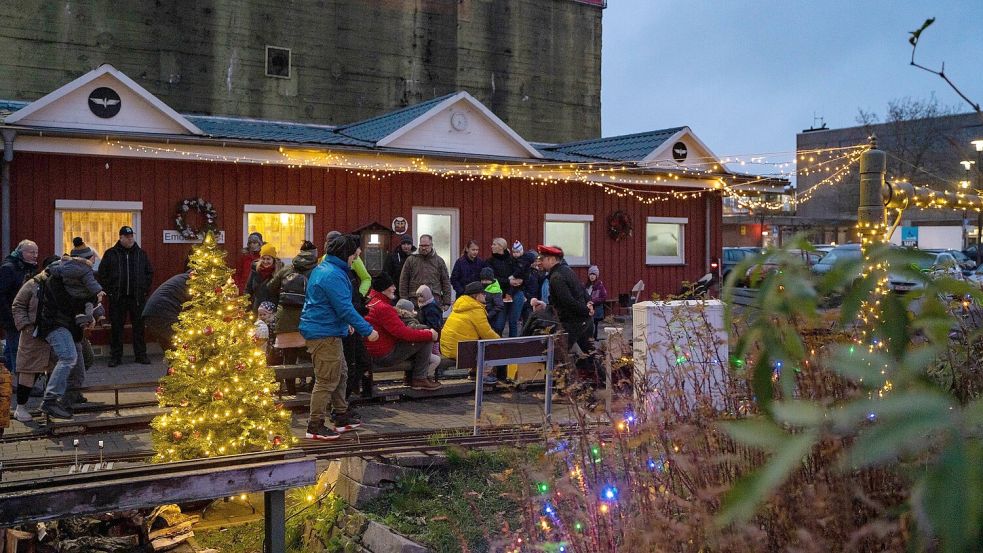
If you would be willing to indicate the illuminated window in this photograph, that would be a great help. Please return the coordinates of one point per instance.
(284, 226)
(572, 233)
(664, 240)
(98, 223)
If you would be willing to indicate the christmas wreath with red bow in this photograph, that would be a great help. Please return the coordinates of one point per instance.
(619, 225)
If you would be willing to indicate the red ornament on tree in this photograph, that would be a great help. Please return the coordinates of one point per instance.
(170, 370)
(277, 440)
(177, 435)
(218, 289)
(218, 395)
(160, 390)
(240, 366)
(209, 330)
(192, 358)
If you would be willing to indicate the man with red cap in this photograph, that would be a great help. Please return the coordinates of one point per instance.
(568, 298)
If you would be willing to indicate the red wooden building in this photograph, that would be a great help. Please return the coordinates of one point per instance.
(101, 152)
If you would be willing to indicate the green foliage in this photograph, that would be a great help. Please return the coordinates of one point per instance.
(896, 414)
(463, 507)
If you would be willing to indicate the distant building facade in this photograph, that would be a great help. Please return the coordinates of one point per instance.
(925, 152)
(535, 63)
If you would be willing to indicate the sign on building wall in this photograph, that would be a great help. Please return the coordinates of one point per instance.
(909, 236)
(174, 237)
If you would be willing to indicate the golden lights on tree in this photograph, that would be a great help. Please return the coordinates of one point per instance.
(218, 388)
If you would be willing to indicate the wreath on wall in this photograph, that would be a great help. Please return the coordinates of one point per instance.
(619, 225)
(206, 209)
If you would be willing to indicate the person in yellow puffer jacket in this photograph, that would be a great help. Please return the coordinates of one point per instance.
(468, 321)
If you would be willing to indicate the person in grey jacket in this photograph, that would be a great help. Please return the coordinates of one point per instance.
(426, 267)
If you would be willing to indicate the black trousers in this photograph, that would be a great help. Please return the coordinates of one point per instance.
(580, 332)
(119, 308)
(359, 366)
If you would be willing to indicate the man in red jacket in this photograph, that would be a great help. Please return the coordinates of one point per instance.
(398, 342)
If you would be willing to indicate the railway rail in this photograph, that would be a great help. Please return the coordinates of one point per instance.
(351, 444)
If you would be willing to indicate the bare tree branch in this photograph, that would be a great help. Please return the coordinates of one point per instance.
(913, 39)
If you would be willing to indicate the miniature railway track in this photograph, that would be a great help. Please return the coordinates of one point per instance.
(351, 444)
(387, 391)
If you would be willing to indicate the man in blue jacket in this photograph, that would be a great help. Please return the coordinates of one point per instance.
(327, 317)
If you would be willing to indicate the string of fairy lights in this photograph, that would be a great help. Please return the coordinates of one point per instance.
(620, 179)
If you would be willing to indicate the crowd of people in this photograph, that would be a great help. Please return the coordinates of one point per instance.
(328, 308)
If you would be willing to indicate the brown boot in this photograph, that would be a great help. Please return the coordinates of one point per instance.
(424, 384)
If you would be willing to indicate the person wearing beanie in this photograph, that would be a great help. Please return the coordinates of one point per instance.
(598, 295)
(429, 311)
(260, 276)
(398, 342)
(522, 262)
(467, 268)
(250, 254)
(327, 314)
(468, 321)
(393, 265)
(494, 304)
(357, 359)
(126, 274)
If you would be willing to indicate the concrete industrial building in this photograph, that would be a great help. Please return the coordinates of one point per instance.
(535, 63)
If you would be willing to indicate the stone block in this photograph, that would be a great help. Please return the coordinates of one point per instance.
(355, 493)
(372, 473)
(380, 539)
(418, 460)
(355, 523)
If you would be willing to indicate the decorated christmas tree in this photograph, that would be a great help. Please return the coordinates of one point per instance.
(218, 388)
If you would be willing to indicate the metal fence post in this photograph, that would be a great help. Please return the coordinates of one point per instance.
(274, 522)
(550, 342)
(479, 384)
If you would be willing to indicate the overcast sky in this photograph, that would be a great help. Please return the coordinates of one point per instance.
(746, 76)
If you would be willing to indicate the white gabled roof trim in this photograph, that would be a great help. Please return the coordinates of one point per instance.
(462, 95)
(685, 132)
(104, 69)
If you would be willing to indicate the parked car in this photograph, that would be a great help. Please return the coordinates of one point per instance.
(838, 253)
(933, 264)
(772, 262)
(824, 248)
(966, 264)
(734, 255)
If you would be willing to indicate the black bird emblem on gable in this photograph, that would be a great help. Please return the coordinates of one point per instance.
(104, 102)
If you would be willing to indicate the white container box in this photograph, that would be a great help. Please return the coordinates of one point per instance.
(680, 354)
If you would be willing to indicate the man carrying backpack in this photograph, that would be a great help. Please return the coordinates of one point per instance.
(289, 286)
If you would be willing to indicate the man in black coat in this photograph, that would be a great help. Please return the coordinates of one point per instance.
(568, 298)
(394, 263)
(125, 273)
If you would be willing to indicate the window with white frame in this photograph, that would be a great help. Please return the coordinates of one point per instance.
(284, 226)
(570, 232)
(443, 224)
(665, 242)
(96, 222)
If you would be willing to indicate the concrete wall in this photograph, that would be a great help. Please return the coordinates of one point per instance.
(535, 63)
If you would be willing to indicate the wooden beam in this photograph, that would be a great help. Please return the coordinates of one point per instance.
(116, 493)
